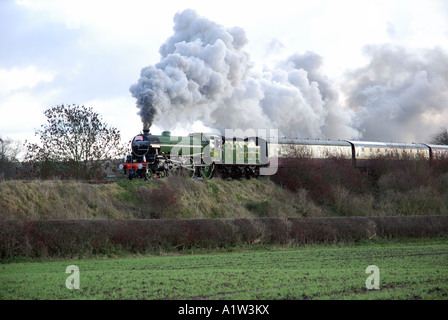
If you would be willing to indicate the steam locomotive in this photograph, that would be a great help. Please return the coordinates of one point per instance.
(200, 155)
(203, 156)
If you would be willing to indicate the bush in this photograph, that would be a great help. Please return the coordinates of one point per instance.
(79, 238)
(157, 203)
(319, 176)
(347, 203)
(259, 209)
(418, 201)
(386, 187)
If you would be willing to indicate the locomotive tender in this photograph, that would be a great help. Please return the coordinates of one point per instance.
(204, 155)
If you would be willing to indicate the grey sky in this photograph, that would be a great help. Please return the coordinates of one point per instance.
(91, 52)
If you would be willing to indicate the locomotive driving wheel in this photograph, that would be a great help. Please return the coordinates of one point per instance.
(147, 174)
(207, 171)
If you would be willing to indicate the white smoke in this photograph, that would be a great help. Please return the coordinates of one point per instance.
(200, 66)
(205, 75)
(401, 95)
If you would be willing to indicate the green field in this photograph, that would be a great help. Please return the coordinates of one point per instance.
(414, 270)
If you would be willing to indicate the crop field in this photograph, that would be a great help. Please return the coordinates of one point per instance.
(406, 271)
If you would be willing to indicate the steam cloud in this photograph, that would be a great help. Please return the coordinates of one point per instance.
(402, 95)
(204, 74)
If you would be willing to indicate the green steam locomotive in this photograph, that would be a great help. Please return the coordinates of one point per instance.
(200, 155)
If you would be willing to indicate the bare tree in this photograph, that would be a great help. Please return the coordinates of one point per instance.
(440, 137)
(74, 143)
(9, 152)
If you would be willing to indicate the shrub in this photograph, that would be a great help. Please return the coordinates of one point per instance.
(259, 209)
(159, 202)
(418, 201)
(348, 203)
(319, 176)
(79, 238)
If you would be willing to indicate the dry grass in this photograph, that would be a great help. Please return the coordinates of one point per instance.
(349, 204)
(237, 199)
(173, 197)
(306, 190)
(34, 200)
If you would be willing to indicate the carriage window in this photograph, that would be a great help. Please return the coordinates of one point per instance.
(251, 144)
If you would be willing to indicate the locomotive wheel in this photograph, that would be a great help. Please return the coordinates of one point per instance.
(256, 172)
(207, 172)
(248, 173)
(225, 173)
(132, 174)
(161, 174)
(146, 174)
(252, 172)
(237, 173)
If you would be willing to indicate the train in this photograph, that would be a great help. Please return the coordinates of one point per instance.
(359, 153)
(203, 155)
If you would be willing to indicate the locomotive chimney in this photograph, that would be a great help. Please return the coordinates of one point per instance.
(146, 132)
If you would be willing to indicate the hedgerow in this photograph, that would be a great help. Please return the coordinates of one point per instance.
(79, 238)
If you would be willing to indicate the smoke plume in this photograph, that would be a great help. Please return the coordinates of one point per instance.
(201, 64)
(204, 74)
(401, 95)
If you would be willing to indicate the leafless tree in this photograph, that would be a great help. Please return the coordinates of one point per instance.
(440, 137)
(74, 143)
(9, 152)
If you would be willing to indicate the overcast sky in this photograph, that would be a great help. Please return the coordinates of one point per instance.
(91, 52)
